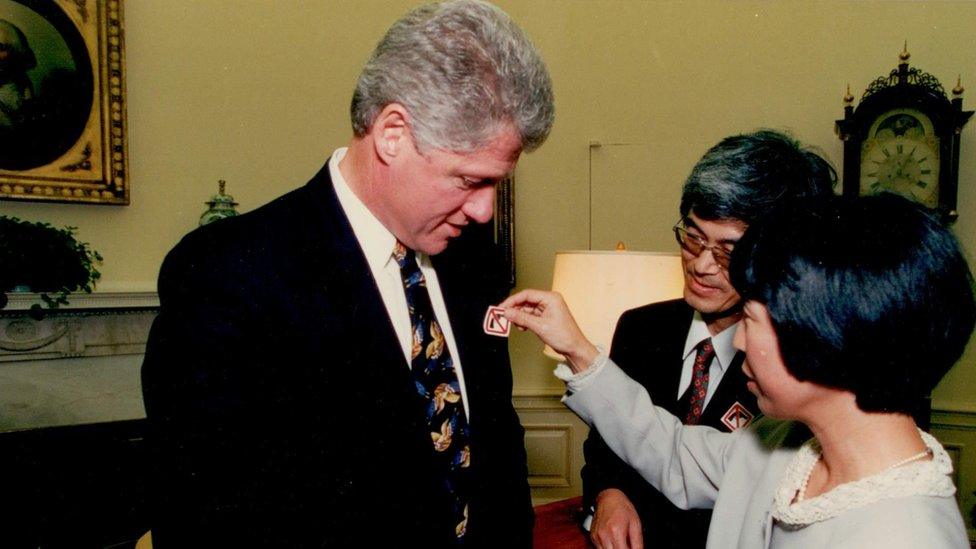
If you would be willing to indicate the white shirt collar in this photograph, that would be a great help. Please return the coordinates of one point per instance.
(375, 239)
(721, 342)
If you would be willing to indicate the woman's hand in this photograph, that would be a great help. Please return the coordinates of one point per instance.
(546, 315)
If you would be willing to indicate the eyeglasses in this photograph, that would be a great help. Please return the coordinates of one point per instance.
(695, 245)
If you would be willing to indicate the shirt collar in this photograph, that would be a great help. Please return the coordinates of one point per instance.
(374, 238)
(721, 342)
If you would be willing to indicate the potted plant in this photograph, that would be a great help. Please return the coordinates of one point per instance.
(40, 258)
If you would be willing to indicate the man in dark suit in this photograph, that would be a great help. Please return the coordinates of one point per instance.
(319, 374)
(681, 350)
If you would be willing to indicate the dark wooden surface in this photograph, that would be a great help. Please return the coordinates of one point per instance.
(73, 487)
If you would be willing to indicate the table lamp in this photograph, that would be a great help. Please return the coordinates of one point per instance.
(599, 285)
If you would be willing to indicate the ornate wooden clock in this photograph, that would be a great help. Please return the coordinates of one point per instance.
(903, 137)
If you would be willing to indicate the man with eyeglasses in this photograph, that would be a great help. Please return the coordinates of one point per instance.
(681, 350)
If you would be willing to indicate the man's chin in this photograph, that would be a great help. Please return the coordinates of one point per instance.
(434, 247)
(717, 306)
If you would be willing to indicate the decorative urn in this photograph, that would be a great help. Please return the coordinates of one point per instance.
(220, 206)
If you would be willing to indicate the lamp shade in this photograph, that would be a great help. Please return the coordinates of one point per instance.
(600, 285)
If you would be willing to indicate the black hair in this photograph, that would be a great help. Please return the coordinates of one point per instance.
(870, 295)
(743, 176)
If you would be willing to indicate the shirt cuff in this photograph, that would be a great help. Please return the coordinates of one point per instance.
(588, 519)
(575, 382)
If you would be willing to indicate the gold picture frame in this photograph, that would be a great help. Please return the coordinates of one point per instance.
(62, 102)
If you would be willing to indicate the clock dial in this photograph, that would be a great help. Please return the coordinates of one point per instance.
(901, 155)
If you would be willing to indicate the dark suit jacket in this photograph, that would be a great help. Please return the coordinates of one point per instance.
(282, 410)
(647, 345)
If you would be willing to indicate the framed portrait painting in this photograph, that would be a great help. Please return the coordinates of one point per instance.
(62, 101)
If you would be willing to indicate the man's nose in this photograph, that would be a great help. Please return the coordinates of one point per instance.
(705, 263)
(480, 205)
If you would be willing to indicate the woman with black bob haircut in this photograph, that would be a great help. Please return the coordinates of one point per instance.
(869, 295)
(854, 309)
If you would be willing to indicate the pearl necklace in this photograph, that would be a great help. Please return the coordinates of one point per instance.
(924, 453)
(801, 494)
(802, 491)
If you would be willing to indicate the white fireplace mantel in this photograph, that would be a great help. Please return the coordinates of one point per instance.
(22, 301)
(79, 363)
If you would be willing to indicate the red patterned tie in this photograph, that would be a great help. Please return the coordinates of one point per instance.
(699, 381)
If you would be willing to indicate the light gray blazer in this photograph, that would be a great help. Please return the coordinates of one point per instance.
(737, 474)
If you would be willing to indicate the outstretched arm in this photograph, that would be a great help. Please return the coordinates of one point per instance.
(546, 315)
(685, 463)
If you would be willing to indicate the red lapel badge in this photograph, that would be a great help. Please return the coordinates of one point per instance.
(737, 417)
(495, 322)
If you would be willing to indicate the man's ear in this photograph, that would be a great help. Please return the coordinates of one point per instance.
(390, 133)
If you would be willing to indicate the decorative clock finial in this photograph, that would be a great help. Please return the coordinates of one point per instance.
(957, 91)
(848, 98)
(904, 55)
(220, 185)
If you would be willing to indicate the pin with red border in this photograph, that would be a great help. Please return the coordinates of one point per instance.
(737, 417)
(495, 322)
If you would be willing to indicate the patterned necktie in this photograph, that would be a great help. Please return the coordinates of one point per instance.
(699, 381)
(437, 383)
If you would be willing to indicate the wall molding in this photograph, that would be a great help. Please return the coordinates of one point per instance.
(552, 441)
(957, 418)
(22, 301)
(533, 392)
(539, 400)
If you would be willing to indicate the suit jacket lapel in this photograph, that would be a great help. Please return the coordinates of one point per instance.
(676, 330)
(459, 299)
(351, 294)
(470, 284)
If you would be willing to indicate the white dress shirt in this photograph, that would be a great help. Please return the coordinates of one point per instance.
(377, 243)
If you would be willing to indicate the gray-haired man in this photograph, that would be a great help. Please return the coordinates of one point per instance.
(318, 374)
(681, 350)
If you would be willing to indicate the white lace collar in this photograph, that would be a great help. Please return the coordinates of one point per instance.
(920, 478)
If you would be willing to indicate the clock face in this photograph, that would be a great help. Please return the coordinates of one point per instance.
(901, 155)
